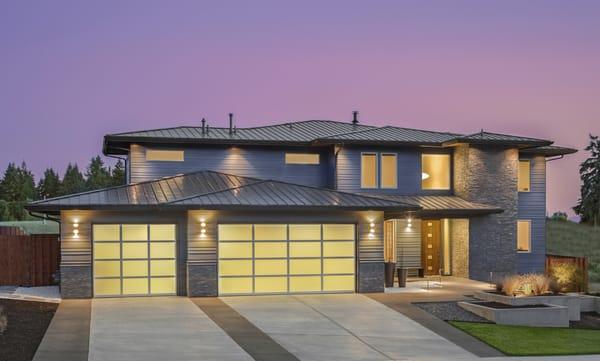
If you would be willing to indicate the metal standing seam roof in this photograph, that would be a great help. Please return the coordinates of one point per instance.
(497, 138)
(448, 204)
(550, 150)
(311, 132)
(391, 134)
(215, 190)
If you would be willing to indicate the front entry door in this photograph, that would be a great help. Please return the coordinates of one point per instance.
(430, 251)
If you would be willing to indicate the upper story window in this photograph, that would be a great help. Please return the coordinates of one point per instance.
(302, 158)
(389, 170)
(368, 170)
(435, 171)
(164, 155)
(524, 236)
(524, 176)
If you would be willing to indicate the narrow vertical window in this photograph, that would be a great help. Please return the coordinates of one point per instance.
(524, 236)
(524, 176)
(368, 170)
(389, 170)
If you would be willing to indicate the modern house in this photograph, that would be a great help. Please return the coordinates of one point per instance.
(300, 207)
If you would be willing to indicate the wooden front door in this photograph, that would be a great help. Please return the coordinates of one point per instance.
(430, 246)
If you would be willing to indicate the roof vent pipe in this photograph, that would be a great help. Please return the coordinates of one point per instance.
(230, 123)
(355, 117)
(203, 125)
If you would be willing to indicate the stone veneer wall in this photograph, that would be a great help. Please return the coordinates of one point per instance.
(459, 247)
(489, 175)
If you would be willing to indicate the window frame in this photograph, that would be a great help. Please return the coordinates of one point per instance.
(376, 183)
(165, 151)
(381, 185)
(528, 161)
(285, 158)
(527, 221)
(450, 170)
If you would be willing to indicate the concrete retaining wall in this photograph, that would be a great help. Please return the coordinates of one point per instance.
(551, 316)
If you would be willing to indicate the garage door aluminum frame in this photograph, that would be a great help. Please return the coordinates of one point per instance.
(289, 258)
(149, 241)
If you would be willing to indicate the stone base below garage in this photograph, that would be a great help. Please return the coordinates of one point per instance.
(76, 282)
(202, 280)
(371, 277)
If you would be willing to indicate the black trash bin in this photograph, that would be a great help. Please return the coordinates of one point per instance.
(402, 274)
(390, 267)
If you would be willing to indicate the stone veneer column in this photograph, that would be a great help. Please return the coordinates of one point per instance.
(202, 254)
(371, 274)
(489, 175)
(76, 255)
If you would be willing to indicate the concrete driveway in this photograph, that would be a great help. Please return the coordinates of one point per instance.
(343, 327)
(157, 329)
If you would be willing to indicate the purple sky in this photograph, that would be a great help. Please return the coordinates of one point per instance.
(71, 72)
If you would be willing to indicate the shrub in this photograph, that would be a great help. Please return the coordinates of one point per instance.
(554, 287)
(569, 276)
(511, 285)
(528, 284)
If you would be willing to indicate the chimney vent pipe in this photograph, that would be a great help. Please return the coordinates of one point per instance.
(355, 117)
(203, 125)
(230, 123)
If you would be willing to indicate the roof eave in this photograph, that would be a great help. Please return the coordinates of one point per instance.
(503, 143)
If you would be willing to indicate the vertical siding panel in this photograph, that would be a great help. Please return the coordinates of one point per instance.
(532, 206)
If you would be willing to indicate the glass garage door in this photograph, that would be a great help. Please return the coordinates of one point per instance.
(134, 259)
(286, 258)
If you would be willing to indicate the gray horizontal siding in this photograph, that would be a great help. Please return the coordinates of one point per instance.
(262, 163)
(409, 171)
(408, 244)
(532, 206)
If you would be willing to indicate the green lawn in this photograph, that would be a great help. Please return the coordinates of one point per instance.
(534, 341)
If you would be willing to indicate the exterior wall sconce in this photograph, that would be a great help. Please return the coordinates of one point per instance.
(371, 230)
(424, 176)
(75, 229)
(202, 228)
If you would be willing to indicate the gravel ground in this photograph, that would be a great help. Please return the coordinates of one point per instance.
(27, 322)
(449, 311)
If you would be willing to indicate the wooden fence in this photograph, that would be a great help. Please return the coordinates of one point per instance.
(580, 262)
(29, 260)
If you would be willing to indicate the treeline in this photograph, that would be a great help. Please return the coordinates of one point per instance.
(18, 185)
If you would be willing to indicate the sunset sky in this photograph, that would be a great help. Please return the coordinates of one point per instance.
(71, 72)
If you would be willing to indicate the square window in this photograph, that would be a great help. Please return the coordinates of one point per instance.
(435, 171)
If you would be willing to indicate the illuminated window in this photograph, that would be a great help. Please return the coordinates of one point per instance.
(301, 158)
(524, 236)
(368, 170)
(389, 170)
(435, 171)
(524, 176)
(164, 155)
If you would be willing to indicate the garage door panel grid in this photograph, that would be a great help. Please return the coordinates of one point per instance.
(134, 259)
(286, 258)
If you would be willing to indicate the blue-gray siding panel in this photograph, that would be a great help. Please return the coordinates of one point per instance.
(532, 206)
(409, 171)
(260, 163)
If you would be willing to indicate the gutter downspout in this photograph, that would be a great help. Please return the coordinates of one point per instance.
(335, 167)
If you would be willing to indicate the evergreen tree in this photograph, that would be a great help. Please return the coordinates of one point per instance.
(588, 207)
(4, 211)
(16, 189)
(73, 181)
(118, 174)
(49, 185)
(97, 175)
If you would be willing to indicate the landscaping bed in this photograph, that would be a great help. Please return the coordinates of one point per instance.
(534, 341)
(26, 323)
(449, 311)
(499, 305)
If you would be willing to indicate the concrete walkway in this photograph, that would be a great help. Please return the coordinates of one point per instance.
(157, 329)
(344, 327)
(67, 336)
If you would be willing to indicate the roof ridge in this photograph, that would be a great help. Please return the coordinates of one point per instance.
(215, 192)
(353, 132)
(503, 134)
